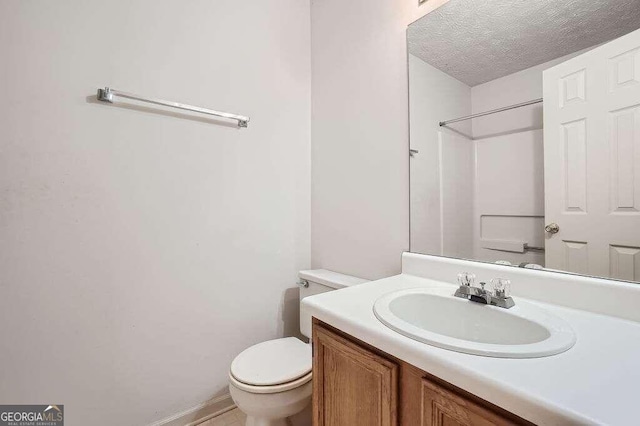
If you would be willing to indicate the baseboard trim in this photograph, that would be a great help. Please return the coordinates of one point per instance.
(200, 413)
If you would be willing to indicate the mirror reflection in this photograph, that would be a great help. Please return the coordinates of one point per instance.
(526, 151)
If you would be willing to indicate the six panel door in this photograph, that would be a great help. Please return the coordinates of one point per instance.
(592, 161)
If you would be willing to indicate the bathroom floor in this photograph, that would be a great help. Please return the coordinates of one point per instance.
(234, 417)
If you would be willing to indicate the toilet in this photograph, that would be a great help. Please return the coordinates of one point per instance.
(271, 381)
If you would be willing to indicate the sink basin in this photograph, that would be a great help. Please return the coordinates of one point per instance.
(434, 316)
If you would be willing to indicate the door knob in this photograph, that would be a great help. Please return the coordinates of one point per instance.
(552, 228)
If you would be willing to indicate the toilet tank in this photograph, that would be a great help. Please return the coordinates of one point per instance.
(318, 281)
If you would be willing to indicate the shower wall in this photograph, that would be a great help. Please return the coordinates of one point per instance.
(509, 167)
(443, 161)
(509, 203)
(456, 194)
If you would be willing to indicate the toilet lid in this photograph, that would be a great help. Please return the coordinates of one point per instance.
(273, 362)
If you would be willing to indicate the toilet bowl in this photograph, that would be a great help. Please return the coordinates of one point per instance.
(272, 381)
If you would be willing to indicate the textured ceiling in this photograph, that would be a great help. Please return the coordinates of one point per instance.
(477, 41)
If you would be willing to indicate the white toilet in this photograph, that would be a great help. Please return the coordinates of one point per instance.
(271, 381)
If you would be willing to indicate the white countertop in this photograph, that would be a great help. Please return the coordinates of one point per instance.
(595, 382)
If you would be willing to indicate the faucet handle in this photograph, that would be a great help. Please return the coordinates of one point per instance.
(501, 287)
(466, 279)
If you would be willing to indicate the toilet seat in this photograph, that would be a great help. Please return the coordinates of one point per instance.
(272, 366)
(270, 389)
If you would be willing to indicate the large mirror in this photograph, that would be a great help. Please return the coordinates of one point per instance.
(525, 134)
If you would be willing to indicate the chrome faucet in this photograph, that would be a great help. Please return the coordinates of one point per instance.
(498, 297)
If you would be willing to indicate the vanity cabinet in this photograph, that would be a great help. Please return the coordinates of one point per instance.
(351, 385)
(442, 407)
(355, 384)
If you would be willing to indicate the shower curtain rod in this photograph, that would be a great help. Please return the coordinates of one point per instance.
(493, 111)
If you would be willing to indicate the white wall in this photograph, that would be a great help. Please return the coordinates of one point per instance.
(140, 251)
(444, 161)
(359, 126)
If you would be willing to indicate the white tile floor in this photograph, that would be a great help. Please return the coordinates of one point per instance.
(234, 417)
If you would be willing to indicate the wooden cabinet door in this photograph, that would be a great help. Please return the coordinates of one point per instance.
(441, 407)
(352, 386)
